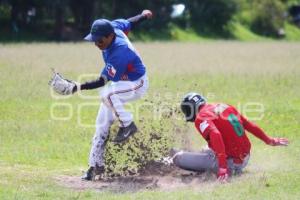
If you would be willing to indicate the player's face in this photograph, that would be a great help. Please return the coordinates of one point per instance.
(104, 42)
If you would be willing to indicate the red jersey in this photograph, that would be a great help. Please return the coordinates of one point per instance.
(223, 127)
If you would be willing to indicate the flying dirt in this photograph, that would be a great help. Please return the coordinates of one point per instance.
(155, 175)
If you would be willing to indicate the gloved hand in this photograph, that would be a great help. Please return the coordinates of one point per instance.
(62, 85)
(223, 175)
(278, 142)
(147, 13)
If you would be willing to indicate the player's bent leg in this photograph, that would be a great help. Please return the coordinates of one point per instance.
(195, 161)
(121, 93)
(125, 132)
(237, 168)
(131, 90)
(113, 102)
(116, 95)
(206, 161)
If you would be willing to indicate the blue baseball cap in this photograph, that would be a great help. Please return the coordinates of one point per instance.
(100, 28)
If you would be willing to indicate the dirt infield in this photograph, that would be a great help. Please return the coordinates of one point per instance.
(155, 175)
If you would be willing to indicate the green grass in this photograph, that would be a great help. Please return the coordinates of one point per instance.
(243, 33)
(292, 32)
(179, 34)
(35, 149)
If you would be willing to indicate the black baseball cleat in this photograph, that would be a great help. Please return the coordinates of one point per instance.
(92, 172)
(125, 132)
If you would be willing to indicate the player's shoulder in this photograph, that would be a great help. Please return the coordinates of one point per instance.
(212, 111)
(232, 108)
(121, 50)
(121, 24)
(206, 109)
(121, 41)
(205, 113)
(202, 122)
(119, 44)
(120, 54)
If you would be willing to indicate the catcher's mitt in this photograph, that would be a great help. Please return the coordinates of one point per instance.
(61, 85)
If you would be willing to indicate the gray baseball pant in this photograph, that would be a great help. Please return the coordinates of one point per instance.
(206, 161)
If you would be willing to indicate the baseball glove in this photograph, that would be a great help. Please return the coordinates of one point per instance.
(61, 85)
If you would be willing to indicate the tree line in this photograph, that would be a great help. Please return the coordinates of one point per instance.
(71, 19)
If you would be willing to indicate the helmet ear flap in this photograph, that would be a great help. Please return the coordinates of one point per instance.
(188, 109)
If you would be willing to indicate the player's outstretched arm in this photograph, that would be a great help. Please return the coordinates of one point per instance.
(279, 142)
(99, 82)
(259, 133)
(134, 21)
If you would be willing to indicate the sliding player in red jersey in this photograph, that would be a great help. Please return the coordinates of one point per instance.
(224, 129)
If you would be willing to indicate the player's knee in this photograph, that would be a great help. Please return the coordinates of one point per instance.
(177, 158)
(104, 93)
(104, 98)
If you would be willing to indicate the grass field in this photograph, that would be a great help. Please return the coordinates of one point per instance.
(35, 148)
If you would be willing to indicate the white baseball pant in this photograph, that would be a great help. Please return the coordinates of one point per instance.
(113, 98)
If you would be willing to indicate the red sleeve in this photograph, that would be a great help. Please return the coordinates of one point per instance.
(255, 130)
(210, 132)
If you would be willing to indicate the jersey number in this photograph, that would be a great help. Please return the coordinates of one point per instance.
(238, 128)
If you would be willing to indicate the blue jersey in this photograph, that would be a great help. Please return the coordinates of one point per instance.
(122, 62)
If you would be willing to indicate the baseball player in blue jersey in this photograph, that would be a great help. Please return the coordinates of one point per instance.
(127, 74)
